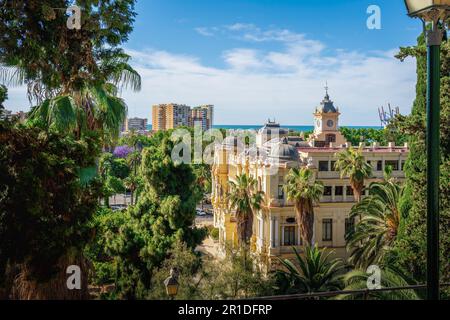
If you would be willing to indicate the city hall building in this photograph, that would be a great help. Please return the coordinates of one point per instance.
(269, 161)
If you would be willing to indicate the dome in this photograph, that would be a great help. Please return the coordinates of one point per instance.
(284, 151)
(327, 106)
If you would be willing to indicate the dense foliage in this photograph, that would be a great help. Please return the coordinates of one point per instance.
(313, 271)
(46, 199)
(73, 76)
(411, 244)
(3, 95)
(370, 135)
(378, 225)
(134, 243)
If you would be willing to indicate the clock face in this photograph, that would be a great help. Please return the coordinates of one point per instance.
(330, 123)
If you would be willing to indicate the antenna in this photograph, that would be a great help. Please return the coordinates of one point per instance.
(387, 116)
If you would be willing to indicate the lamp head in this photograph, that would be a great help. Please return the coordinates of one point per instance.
(423, 8)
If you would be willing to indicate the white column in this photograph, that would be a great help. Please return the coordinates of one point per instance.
(277, 231)
(271, 232)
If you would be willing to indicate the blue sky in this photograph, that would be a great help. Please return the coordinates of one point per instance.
(255, 59)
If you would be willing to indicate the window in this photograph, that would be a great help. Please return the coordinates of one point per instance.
(349, 225)
(330, 138)
(339, 191)
(323, 165)
(280, 192)
(327, 230)
(327, 191)
(393, 164)
(333, 166)
(379, 165)
(349, 191)
(289, 236)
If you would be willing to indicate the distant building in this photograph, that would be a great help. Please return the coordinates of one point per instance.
(9, 115)
(170, 116)
(136, 124)
(203, 115)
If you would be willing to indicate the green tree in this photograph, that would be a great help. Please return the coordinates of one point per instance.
(305, 191)
(73, 76)
(377, 229)
(46, 204)
(351, 163)
(138, 240)
(237, 276)
(3, 95)
(245, 199)
(317, 272)
(410, 247)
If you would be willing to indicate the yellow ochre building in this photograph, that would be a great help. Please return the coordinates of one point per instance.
(269, 161)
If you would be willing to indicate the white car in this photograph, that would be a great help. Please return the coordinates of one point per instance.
(201, 213)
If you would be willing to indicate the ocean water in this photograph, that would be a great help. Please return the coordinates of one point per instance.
(290, 127)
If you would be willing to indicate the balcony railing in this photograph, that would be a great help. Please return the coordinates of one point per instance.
(364, 294)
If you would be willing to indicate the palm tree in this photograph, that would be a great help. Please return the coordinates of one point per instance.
(90, 105)
(317, 273)
(351, 163)
(378, 226)
(245, 199)
(389, 278)
(302, 188)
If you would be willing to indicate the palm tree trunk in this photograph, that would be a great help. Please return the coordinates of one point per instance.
(305, 220)
(249, 226)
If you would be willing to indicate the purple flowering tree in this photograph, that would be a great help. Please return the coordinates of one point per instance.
(122, 151)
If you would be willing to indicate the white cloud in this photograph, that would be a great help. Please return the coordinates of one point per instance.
(284, 83)
(207, 32)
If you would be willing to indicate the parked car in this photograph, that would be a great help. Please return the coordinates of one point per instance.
(201, 213)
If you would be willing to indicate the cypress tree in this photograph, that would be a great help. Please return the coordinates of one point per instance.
(410, 248)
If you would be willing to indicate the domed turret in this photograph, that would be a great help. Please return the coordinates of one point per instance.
(283, 151)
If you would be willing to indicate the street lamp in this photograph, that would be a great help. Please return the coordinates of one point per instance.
(171, 284)
(435, 13)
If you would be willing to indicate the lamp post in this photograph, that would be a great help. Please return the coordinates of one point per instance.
(171, 284)
(435, 13)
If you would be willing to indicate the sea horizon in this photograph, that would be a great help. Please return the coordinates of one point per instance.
(298, 128)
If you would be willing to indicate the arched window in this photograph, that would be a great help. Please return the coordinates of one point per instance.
(330, 138)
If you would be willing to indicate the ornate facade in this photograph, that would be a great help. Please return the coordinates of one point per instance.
(275, 229)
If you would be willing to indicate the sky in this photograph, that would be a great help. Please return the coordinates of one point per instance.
(260, 59)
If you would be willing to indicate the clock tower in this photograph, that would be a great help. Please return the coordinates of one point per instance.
(326, 124)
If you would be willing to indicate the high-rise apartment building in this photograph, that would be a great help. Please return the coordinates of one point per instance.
(203, 115)
(170, 116)
(136, 124)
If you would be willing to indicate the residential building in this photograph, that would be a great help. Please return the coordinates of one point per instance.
(269, 162)
(204, 115)
(170, 116)
(136, 124)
